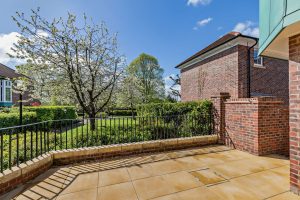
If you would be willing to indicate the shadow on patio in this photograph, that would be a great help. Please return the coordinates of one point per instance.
(214, 172)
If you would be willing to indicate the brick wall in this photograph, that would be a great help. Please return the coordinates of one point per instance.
(257, 125)
(219, 115)
(273, 79)
(294, 83)
(227, 72)
(16, 98)
(211, 76)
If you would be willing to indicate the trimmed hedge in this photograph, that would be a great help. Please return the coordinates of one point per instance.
(12, 119)
(171, 109)
(122, 113)
(47, 113)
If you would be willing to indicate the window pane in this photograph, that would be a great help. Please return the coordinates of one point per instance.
(8, 94)
(257, 59)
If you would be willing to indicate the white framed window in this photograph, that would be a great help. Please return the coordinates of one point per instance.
(258, 60)
(1, 91)
(6, 91)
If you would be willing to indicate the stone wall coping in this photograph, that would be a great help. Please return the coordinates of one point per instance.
(221, 95)
(255, 100)
(10, 176)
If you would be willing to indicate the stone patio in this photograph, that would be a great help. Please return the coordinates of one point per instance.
(214, 172)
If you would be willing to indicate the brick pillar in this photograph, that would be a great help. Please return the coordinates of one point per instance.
(294, 85)
(219, 114)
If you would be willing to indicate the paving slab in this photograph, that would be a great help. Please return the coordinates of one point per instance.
(209, 173)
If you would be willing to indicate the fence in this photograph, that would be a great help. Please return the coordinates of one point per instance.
(23, 143)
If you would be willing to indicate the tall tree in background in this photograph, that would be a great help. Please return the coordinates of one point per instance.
(148, 76)
(128, 94)
(85, 57)
(175, 87)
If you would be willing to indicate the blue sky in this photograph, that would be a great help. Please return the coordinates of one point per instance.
(170, 30)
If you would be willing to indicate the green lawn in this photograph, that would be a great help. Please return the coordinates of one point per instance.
(107, 131)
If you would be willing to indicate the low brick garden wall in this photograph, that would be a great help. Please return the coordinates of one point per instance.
(257, 125)
(10, 179)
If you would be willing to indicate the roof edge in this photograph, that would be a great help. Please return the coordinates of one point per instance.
(231, 35)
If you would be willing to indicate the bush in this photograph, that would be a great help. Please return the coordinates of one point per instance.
(123, 113)
(170, 119)
(47, 113)
(171, 109)
(12, 119)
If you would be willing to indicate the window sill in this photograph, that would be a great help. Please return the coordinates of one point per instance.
(259, 66)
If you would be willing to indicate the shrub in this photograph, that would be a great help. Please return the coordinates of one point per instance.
(12, 119)
(171, 109)
(169, 120)
(123, 113)
(47, 113)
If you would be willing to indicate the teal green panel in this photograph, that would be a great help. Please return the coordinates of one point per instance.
(292, 6)
(267, 42)
(264, 10)
(292, 18)
(274, 16)
(6, 104)
(277, 12)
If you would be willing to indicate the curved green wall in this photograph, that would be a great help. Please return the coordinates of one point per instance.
(274, 16)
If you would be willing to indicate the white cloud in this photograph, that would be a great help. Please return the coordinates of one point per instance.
(6, 43)
(198, 2)
(202, 23)
(247, 28)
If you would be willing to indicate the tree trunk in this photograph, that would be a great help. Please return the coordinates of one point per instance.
(92, 121)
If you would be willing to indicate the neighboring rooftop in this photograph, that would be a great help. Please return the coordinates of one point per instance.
(223, 40)
(7, 72)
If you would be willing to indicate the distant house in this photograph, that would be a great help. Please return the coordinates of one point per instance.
(231, 64)
(7, 96)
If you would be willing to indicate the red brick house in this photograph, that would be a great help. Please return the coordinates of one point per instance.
(225, 65)
(8, 97)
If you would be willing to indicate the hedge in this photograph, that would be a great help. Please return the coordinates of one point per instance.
(171, 109)
(12, 119)
(47, 113)
(122, 113)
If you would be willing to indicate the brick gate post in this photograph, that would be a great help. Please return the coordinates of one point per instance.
(219, 114)
(294, 73)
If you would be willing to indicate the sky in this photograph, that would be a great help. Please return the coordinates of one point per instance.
(170, 30)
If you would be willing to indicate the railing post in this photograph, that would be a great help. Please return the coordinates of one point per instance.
(219, 115)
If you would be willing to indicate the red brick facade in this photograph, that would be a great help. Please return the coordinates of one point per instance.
(219, 115)
(227, 72)
(257, 125)
(208, 78)
(294, 71)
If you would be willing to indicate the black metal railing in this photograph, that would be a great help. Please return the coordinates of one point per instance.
(23, 143)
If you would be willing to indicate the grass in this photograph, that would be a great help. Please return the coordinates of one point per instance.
(107, 131)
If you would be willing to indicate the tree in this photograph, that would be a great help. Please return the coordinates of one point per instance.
(85, 58)
(148, 76)
(46, 85)
(128, 93)
(174, 92)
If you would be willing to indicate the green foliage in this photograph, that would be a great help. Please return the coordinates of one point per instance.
(47, 113)
(12, 119)
(170, 109)
(147, 75)
(123, 113)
